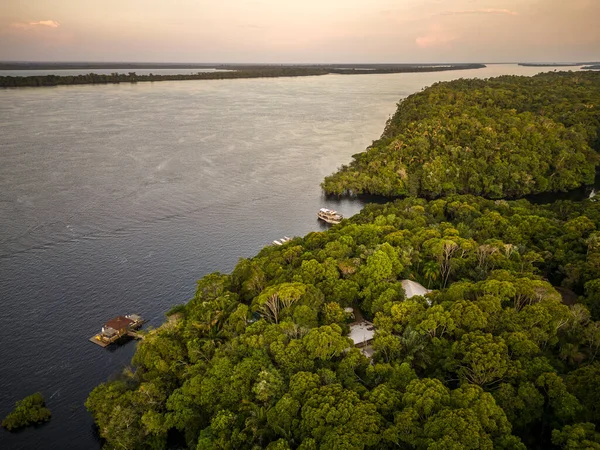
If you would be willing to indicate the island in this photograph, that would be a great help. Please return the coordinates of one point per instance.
(29, 411)
(439, 320)
(222, 72)
(554, 64)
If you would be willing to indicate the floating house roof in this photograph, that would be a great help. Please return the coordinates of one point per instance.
(118, 323)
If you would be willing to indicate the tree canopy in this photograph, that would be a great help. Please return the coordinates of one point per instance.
(502, 137)
(492, 358)
(29, 411)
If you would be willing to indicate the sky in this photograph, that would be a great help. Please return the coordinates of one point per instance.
(300, 31)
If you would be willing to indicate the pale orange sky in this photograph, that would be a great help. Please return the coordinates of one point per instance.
(300, 30)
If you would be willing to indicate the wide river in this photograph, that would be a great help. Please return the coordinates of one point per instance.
(115, 199)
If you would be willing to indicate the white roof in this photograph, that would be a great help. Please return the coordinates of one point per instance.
(368, 351)
(361, 332)
(413, 288)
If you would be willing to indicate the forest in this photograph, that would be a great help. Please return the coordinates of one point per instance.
(493, 357)
(226, 72)
(504, 137)
(503, 353)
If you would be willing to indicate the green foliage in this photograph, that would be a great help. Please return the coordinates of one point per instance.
(29, 411)
(502, 137)
(577, 437)
(492, 358)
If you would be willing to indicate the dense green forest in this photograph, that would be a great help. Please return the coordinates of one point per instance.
(493, 358)
(29, 411)
(504, 137)
(228, 72)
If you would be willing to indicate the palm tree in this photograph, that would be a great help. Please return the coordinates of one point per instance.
(413, 345)
(256, 425)
(431, 271)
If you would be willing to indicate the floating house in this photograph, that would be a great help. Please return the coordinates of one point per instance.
(118, 327)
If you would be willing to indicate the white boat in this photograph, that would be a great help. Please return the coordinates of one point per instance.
(283, 240)
(329, 215)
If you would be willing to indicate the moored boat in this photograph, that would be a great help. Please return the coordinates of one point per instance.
(329, 215)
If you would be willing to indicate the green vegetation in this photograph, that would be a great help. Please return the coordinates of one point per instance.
(492, 359)
(504, 137)
(504, 353)
(29, 411)
(232, 72)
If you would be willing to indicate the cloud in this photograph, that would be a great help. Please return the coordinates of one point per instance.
(33, 25)
(507, 12)
(436, 37)
(46, 23)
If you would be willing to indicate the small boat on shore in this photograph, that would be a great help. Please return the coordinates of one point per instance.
(282, 241)
(329, 215)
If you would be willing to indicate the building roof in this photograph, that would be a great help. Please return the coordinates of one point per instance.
(118, 323)
(412, 288)
(361, 332)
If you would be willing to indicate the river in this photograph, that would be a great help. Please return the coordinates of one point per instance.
(115, 199)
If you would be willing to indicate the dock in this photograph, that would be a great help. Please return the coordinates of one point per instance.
(119, 327)
(135, 335)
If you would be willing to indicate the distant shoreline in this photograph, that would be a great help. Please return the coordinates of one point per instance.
(226, 72)
(551, 64)
(74, 65)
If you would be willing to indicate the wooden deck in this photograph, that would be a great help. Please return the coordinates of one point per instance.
(96, 340)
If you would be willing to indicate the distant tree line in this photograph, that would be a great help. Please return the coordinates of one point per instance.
(229, 72)
(132, 77)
